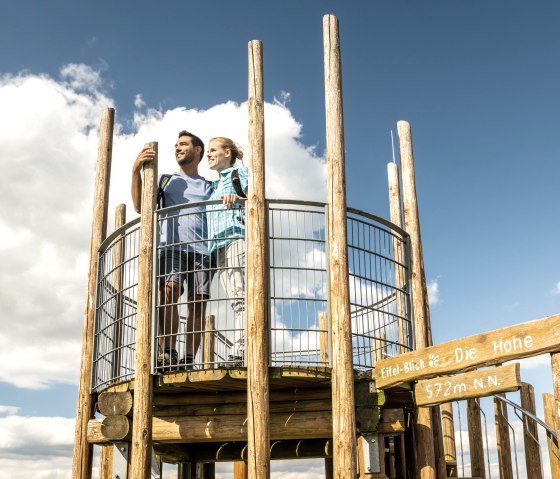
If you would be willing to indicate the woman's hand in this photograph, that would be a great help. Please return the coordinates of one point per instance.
(229, 200)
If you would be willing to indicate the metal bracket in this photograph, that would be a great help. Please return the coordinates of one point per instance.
(120, 460)
(370, 450)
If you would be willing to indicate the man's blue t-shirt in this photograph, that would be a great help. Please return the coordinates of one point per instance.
(185, 228)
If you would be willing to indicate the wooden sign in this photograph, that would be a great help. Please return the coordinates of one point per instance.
(485, 382)
(486, 349)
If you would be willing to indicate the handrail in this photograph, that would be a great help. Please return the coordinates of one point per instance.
(540, 422)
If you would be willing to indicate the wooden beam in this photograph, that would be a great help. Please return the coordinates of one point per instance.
(82, 454)
(502, 439)
(344, 431)
(480, 383)
(485, 349)
(257, 277)
(115, 403)
(551, 414)
(106, 462)
(190, 429)
(530, 433)
(142, 419)
(324, 336)
(392, 421)
(476, 444)
(240, 470)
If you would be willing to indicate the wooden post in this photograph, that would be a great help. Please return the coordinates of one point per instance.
(324, 339)
(209, 341)
(398, 250)
(258, 435)
(142, 425)
(449, 449)
(82, 455)
(240, 470)
(343, 412)
(424, 432)
(530, 433)
(476, 444)
(328, 468)
(502, 439)
(551, 419)
(117, 280)
(106, 462)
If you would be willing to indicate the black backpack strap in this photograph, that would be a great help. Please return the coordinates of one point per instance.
(236, 183)
(163, 180)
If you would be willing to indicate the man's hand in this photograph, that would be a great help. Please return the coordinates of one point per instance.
(146, 155)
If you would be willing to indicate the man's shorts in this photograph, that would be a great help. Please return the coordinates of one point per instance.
(180, 266)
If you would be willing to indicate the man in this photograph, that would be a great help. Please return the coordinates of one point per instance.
(183, 253)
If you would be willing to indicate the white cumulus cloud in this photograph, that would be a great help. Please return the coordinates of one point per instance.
(433, 292)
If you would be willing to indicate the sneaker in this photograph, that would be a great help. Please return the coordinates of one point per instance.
(235, 361)
(168, 359)
(186, 362)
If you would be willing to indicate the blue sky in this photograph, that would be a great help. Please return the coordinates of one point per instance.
(478, 81)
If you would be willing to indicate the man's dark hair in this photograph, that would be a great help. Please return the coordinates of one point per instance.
(196, 141)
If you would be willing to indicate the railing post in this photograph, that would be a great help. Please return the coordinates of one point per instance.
(449, 449)
(106, 452)
(209, 341)
(82, 455)
(551, 419)
(424, 429)
(530, 433)
(476, 444)
(343, 412)
(502, 438)
(142, 417)
(258, 459)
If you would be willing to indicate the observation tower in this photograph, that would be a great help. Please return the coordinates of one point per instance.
(330, 292)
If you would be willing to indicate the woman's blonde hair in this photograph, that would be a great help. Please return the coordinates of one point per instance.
(227, 143)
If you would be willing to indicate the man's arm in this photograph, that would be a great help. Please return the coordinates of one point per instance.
(147, 154)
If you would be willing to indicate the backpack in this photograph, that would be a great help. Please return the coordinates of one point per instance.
(236, 183)
(164, 179)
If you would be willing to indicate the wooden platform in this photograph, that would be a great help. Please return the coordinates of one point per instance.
(201, 415)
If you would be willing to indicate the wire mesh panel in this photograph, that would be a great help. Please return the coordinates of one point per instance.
(299, 331)
(199, 290)
(200, 274)
(115, 312)
(379, 298)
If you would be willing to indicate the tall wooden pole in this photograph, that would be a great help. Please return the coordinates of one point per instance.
(258, 459)
(398, 250)
(502, 439)
(449, 449)
(476, 445)
(424, 431)
(344, 417)
(142, 416)
(82, 456)
(530, 433)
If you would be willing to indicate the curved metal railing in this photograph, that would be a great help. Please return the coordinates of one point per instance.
(298, 292)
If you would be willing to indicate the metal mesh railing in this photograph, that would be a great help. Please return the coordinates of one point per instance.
(199, 327)
(115, 310)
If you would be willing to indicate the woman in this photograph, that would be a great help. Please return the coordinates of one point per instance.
(226, 231)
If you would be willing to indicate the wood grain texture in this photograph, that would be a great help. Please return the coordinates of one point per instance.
(82, 454)
(485, 349)
(344, 429)
(142, 417)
